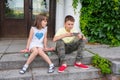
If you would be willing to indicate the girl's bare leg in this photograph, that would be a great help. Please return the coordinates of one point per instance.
(30, 59)
(47, 59)
(44, 56)
(32, 55)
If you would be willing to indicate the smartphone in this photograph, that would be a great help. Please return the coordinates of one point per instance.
(75, 34)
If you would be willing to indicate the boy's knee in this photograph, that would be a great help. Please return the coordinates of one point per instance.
(59, 42)
(81, 42)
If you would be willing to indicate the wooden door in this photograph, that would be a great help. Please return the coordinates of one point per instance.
(17, 16)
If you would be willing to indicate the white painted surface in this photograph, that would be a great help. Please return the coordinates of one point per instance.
(64, 7)
(59, 14)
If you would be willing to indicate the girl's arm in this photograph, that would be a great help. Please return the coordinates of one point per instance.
(28, 42)
(45, 41)
(29, 38)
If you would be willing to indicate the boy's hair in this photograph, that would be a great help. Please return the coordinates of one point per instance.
(38, 20)
(69, 18)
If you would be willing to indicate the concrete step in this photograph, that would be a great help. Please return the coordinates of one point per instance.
(17, 60)
(71, 73)
(116, 67)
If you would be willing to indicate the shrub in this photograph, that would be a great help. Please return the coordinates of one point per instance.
(99, 20)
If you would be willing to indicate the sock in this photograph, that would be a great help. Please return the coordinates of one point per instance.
(78, 62)
(25, 67)
(51, 65)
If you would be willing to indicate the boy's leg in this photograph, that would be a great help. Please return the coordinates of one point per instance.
(79, 55)
(80, 49)
(60, 48)
(70, 47)
(75, 45)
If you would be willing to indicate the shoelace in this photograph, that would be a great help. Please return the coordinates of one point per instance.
(51, 67)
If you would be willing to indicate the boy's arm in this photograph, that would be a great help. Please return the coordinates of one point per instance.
(58, 37)
(81, 36)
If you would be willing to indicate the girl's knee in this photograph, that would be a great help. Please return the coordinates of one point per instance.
(40, 51)
(35, 52)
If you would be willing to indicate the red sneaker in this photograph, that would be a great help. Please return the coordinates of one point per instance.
(80, 66)
(62, 68)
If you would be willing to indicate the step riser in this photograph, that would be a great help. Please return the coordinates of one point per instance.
(116, 67)
(41, 74)
(38, 63)
(19, 78)
(69, 76)
(75, 76)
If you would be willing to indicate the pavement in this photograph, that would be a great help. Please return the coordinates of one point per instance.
(14, 46)
(10, 53)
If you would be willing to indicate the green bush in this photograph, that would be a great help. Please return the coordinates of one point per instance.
(102, 63)
(100, 20)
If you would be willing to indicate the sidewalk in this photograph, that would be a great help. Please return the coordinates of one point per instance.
(14, 46)
(11, 59)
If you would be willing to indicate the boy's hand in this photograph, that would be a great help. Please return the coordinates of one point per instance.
(69, 34)
(81, 37)
(84, 38)
(75, 34)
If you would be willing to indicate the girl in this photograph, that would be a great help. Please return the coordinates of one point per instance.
(37, 43)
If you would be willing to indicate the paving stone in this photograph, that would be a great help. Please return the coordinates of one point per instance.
(14, 75)
(3, 49)
(15, 48)
(70, 74)
(1, 56)
(110, 53)
(19, 42)
(9, 62)
(5, 42)
(41, 74)
(14, 61)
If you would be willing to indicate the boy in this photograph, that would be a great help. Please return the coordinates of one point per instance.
(68, 40)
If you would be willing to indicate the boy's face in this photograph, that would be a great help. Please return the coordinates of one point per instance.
(69, 25)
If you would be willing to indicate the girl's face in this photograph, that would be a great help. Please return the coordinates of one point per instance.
(69, 25)
(44, 23)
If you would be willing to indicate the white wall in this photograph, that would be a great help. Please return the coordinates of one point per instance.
(59, 14)
(64, 7)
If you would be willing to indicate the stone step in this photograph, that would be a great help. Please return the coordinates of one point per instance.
(71, 73)
(116, 67)
(17, 60)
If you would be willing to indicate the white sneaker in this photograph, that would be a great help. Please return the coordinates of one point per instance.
(51, 69)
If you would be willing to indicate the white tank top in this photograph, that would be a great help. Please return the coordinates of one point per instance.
(38, 36)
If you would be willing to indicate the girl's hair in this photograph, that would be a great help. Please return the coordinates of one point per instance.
(69, 18)
(38, 20)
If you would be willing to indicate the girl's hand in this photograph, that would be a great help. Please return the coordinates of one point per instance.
(49, 49)
(24, 50)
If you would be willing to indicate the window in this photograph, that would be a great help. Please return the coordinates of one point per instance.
(40, 6)
(14, 9)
